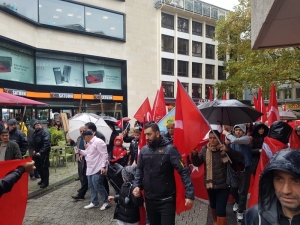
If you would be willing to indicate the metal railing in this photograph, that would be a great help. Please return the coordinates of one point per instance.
(194, 6)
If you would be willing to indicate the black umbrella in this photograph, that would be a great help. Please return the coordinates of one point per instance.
(228, 112)
(109, 119)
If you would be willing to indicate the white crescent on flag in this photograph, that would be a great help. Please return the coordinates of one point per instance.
(273, 109)
(179, 124)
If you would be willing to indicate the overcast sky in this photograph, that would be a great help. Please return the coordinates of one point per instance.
(226, 4)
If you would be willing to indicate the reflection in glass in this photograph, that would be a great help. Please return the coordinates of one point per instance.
(61, 14)
(27, 8)
(104, 23)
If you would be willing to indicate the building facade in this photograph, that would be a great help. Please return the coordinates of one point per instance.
(187, 49)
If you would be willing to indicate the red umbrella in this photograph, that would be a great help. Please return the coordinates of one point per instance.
(9, 100)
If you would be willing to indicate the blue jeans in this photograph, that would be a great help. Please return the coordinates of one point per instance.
(218, 200)
(96, 187)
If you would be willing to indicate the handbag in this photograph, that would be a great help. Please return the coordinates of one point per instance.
(235, 174)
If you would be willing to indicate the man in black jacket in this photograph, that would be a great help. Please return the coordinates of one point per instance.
(155, 172)
(17, 136)
(7, 182)
(279, 192)
(42, 145)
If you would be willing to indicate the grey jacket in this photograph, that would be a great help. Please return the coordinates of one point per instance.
(12, 151)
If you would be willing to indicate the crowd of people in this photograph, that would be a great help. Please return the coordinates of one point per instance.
(148, 174)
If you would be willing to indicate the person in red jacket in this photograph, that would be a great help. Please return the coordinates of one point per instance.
(119, 152)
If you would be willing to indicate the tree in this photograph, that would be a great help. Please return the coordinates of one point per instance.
(249, 68)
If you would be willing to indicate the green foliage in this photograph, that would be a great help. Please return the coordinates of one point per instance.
(249, 68)
(56, 135)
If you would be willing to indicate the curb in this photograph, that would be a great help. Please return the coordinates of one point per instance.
(52, 187)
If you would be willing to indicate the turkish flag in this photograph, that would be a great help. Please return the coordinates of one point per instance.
(255, 102)
(269, 148)
(262, 106)
(190, 129)
(119, 123)
(144, 111)
(273, 107)
(294, 140)
(13, 203)
(210, 93)
(159, 106)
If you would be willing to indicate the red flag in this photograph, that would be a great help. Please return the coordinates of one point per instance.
(142, 141)
(159, 106)
(255, 102)
(273, 107)
(270, 147)
(187, 135)
(13, 203)
(294, 140)
(284, 106)
(120, 123)
(224, 96)
(144, 111)
(262, 106)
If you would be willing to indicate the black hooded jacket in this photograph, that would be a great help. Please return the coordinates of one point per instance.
(20, 138)
(155, 171)
(266, 209)
(42, 141)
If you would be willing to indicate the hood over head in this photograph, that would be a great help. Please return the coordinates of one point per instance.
(118, 138)
(285, 160)
(242, 126)
(257, 127)
(128, 173)
(280, 131)
(32, 122)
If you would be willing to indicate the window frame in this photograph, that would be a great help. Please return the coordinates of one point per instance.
(181, 66)
(208, 50)
(162, 40)
(208, 31)
(199, 87)
(221, 74)
(180, 27)
(211, 77)
(171, 27)
(194, 30)
(168, 87)
(181, 42)
(167, 72)
(194, 53)
(194, 74)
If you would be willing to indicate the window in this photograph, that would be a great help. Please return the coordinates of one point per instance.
(297, 92)
(287, 93)
(207, 91)
(69, 15)
(210, 31)
(183, 68)
(167, 66)
(186, 86)
(209, 71)
(183, 25)
(210, 51)
(221, 73)
(197, 28)
(168, 89)
(196, 90)
(104, 23)
(16, 63)
(183, 46)
(197, 70)
(167, 21)
(167, 43)
(222, 58)
(27, 8)
(197, 49)
(61, 14)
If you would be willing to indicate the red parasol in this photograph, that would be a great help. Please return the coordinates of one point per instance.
(9, 100)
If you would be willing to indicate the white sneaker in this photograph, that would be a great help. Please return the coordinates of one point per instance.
(235, 207)
(91, 205)
(240, 216)
(105, 206)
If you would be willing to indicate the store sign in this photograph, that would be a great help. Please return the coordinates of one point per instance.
(15, 92)
(16, 66)
(61, 95)
(102, 76)
(59, 72)
(104, 97)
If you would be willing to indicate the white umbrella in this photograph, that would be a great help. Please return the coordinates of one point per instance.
(286, 115)
(81, 119)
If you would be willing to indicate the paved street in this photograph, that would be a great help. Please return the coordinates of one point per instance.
(57, 207)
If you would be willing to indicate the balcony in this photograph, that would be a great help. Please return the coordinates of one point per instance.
(194, 6)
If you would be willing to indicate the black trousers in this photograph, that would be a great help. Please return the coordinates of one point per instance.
(105, 184)
(83, 178)
(161, 212)
(240, 194)
(42, 164)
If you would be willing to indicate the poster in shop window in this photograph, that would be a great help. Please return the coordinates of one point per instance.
(102, 76)
(59, 72)
(16, 66)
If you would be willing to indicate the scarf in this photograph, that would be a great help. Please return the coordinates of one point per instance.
(209, 164)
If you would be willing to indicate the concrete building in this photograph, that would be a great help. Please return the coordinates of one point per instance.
(59, 51)
(187, 50)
